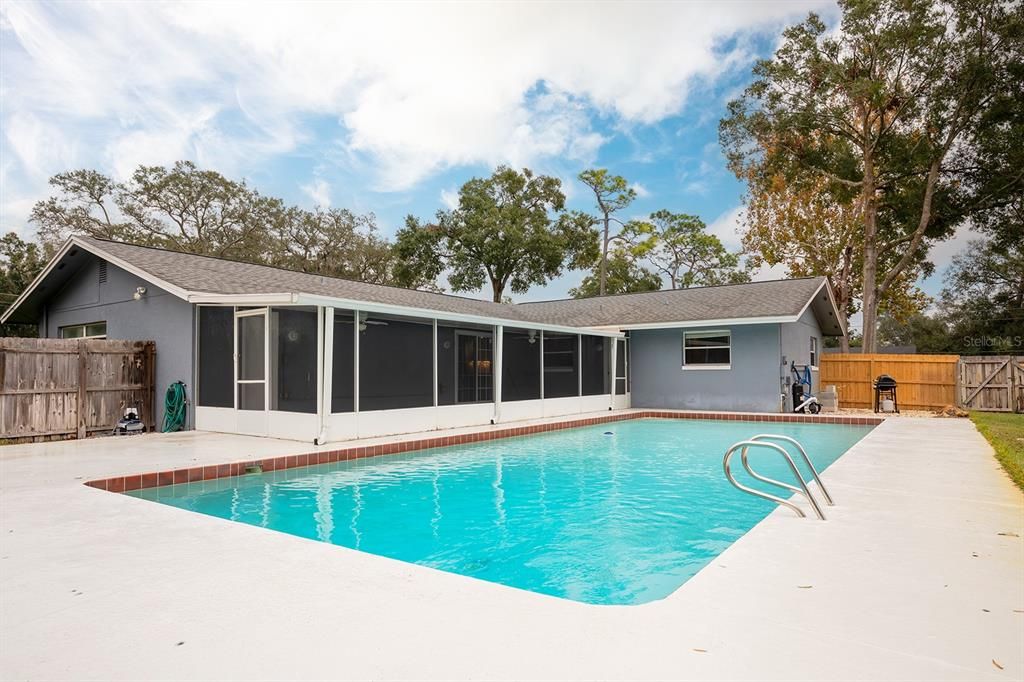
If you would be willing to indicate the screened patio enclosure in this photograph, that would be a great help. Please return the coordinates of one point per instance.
(323, 373)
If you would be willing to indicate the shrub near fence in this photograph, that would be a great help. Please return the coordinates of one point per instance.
(63, 388)
(924, 382)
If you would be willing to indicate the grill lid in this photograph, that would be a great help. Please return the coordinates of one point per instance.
(885, 381)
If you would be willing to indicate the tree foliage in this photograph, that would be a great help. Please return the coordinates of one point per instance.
(812, 232)
(612, 194)
(982, 308)
(983, 298)
(886, 110)
(185, 208)
(679, 247)
(509, 230)
(335, 242)
(927, 333)
(20, 262)
(624, 276)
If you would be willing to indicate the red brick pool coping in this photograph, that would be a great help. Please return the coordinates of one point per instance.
(120, 484)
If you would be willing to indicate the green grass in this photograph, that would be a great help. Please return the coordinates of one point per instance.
(1006, 434)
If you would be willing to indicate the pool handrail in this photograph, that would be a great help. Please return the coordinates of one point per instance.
(744, 446)
(807, 461)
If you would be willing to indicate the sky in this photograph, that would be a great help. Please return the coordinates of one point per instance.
(388, 108)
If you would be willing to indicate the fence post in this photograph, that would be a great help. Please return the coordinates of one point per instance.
(83, 401)
(1012, 401)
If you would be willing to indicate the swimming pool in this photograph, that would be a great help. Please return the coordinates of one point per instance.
(618, 513)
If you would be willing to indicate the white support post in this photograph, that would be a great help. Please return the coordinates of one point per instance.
(626, 374)
(326, 368)
(497, 361)
(355, 359)
(579, 365)
(614, 380)
(542, 364)
(234, 359)
(434, 345)
(267, 340)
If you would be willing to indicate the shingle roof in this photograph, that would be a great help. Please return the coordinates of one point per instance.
(776, 298)
(204, 274)
(208, 275)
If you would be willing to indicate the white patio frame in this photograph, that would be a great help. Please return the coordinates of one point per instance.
(325, 426)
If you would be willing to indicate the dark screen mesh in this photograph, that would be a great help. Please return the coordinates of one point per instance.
(343, 374)
(520, 370)
(396, 366)
(561, 366)
(596, 365)
(216, 357)
(294, 360)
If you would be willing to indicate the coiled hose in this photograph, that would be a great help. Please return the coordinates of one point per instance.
(174, 407)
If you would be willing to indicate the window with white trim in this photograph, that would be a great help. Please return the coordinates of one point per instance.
(814, 351)
(707, 350)
(93, 330)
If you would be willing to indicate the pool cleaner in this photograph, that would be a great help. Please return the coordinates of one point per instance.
(131, 423)
(803, 402)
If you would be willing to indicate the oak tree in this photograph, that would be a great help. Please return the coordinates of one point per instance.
(886, 108)
(509, 231)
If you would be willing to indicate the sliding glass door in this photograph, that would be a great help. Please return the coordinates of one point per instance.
(475, 366)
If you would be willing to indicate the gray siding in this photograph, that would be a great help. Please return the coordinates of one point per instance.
(158, 316)
(796, 347)
(751, 384)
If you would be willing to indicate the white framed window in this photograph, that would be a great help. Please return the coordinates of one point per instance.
(814, 352)
(707, 350)
(93, 330)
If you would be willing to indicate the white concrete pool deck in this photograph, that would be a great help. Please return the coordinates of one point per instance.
(917, 575)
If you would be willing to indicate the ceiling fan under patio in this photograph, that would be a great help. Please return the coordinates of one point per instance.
(364, 320)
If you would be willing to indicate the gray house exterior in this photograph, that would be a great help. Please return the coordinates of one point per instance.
(294, 355)
(100, 292)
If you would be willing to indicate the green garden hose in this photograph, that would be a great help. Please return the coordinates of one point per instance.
(174, 407)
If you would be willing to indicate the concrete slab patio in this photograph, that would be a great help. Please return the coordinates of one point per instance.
(917, 575)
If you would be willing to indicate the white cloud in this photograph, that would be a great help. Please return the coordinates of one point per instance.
(942, 255)
(410, 89)
(727, 228)
(697, 187)
(319, 191)
(450, 198)
(641, 191)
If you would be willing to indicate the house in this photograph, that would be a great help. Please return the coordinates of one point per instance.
(279, 353)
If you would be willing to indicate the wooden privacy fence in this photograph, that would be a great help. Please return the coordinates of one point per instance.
(923, 382)
(67, 388)
(991, 382)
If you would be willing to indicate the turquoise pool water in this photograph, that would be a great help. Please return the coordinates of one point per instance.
(624, 518)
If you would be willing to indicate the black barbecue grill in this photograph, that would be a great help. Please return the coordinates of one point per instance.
(885, 387)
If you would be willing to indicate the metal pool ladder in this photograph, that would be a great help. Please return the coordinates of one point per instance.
(761, 441)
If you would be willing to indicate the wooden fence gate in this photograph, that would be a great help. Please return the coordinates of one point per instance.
(991, 382)
(923, 382)
(65, 388)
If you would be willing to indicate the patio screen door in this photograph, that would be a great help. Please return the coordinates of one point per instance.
(251, 370)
